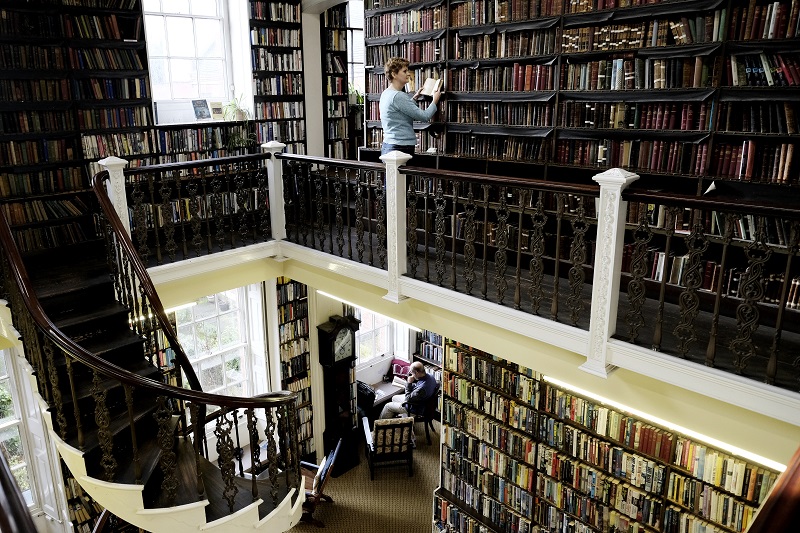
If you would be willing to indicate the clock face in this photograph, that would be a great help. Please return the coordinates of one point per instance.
(343, 344)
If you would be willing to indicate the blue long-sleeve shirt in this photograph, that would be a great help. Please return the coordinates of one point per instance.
(398, 113)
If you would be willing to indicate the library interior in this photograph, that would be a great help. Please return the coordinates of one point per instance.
(573, 307)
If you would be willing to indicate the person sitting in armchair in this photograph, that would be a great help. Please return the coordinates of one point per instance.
(419, 388)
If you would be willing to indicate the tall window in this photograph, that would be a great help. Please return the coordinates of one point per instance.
(213, 332)
(377, 336)
(355, 44)
(187, 48)
(11, 443)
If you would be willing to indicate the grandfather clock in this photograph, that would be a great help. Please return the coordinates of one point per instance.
(337, 353)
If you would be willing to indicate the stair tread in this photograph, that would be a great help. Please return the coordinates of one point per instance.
(149, 455)
(58, 285)
(107, 342)
(84, 389)
(74, 317)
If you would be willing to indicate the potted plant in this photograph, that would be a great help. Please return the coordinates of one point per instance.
(239, 135)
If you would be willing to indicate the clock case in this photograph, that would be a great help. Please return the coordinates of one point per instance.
(327, 333)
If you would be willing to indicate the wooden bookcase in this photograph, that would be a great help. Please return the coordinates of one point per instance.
(335, 84)
(75, 88)
(685, 90)
(430, 352)
(277, 62)
(295, 358)
(542, 458)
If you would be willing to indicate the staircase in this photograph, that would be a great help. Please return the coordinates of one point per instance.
(93, 328)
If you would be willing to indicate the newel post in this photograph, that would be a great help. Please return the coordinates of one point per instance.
(607, 263)
(395, 222)
(115, 187)
(277, 209)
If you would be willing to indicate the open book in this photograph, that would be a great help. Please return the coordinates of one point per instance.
(399, 382)
(431, 86)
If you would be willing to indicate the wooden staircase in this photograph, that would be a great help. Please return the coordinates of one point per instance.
(88, 320)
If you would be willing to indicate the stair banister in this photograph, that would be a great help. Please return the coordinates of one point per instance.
(15, 516)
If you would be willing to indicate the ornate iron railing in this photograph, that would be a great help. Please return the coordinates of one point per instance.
(183, 210)
(714, 281)
(336, 207)
(504, 240)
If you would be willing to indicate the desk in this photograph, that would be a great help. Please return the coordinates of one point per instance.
(384, 392)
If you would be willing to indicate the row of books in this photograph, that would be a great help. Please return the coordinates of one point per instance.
(773, 20)
(498, 147)
(28, 56)
(35, 151)
(35, 121)
(112, 88)
(294, 348)
(762, 117)
(42, 210)
(335, 64)
(710, 503)
(274, 36)
(451, 518)
(102, 27)
(335, 18)
(279, 85)
(404, 22)
(286, 132)
(292, 311)
(274, 11)
(43, 182)
(416, 52)
(295, 366)
(494, 12)
(644, 155)
(497, 506)
(104, 59)
(108, 144)
(290, 290)
(41, 90)
(336, 109)
(336, 39)
(30, 239)
(496, 405)
(755, 160)
(628, 73)
(335, 85)
(278, 110)
(762, 70)
(492, 482)
(517, 381)
(500, 113)
(336, 128)
(272, 60)
(434, 352)
(510, 43)
(687, 116)
(114, 117)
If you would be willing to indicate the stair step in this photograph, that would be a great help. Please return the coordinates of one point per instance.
(105, 344)
(149, 455)
(186, 472)
(104, 312)
(69, 284)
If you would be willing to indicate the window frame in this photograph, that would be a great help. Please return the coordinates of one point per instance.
(18, 421)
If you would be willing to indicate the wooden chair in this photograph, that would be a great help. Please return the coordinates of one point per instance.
(315, 477)
(429, 413)
(389, 443)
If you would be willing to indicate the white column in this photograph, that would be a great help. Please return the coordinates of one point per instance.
(607, 263)
(395, 222)
(277, 212)
(116, 188)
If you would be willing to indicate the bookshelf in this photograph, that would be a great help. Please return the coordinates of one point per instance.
(82, 509)
(75, 85)
(430, 352)
(521, 453)
(277, 63)
(295, 358)
(685, 90)
(336, 87)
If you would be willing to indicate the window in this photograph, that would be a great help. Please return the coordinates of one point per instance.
(188, 48)
(213, 333)
(377, 336)
(11, 442)
(355, 44)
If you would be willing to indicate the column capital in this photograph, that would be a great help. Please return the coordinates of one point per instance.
(616, 177)
(397, 157)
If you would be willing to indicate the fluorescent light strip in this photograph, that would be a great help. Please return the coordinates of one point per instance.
(179, 307)
(370, 310)
(724, 446)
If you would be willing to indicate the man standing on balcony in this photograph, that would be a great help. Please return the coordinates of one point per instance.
(399, 110)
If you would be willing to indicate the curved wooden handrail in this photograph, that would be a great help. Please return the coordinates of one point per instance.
(15, 517)
(109, 369)
(330, 161)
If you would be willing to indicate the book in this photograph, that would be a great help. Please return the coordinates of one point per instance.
(397, 381)
(216, 110)
(201, 110)
(430, 86)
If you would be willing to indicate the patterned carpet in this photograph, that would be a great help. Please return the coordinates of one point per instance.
(393, 503)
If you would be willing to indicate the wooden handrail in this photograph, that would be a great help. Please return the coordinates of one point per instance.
(14, 517)
(162, 167)
(81, 355)
(331, 161)
(780, 512)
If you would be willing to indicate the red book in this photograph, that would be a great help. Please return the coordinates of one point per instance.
(673, 116)
(528, 78)
(659, 117)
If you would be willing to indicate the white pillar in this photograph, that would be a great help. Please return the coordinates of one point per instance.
(607, 263)
(277, 211)
(115, 186)
(395, 222)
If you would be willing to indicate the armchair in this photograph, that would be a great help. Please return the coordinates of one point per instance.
(389, 443)
(315, 477)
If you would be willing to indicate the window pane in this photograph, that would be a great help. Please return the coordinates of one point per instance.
(211, 78)
(381, 321)
(229, 330)
(156, 35)
(235, 390)
(365, 352)
(176, 6)
(231, 298)
(382, 341)
(356, 46)
(11, 446)
(180, 36)
(159, 79)
(206, 333)
(233, 367)
(151, 5)
(211, 374)
(3, 371)
(182, 316)
(186, 339)
(6, 401)
(356, 11)
(206, 307)
(204, 7)
(209, 38)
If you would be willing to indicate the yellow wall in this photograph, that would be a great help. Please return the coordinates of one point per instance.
(756, 433)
